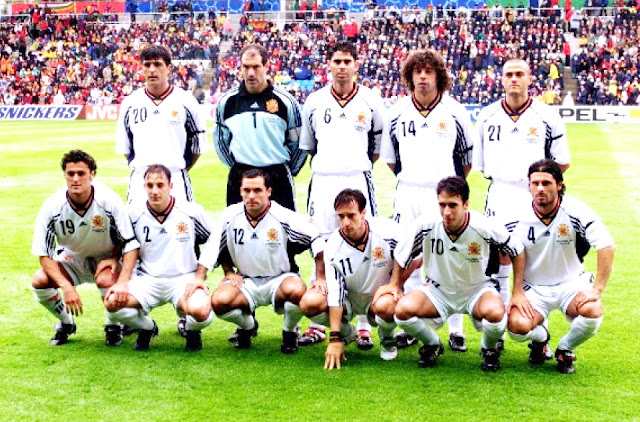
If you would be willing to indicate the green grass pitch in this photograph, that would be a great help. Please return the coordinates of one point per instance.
(85, 381)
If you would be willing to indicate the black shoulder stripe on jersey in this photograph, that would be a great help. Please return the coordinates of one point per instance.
(192, 145)
(392, 243)
(202, 234)
(396, 144)
(127, 126)
(417, 246)
(342, 283)
(50, 238)
(504, 247)
(296, 236)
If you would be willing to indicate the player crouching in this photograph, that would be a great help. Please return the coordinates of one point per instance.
(456, 250)
(90, 226)
(258, 237)
(358, 260)
(171, 267)
(557, 233)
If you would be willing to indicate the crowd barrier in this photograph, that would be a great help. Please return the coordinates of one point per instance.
(576, 114)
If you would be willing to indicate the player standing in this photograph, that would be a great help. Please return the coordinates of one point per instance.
(171, 267)
(513, 133)
(428, 137)
(456, 250)
(258, 238)
(92, 231)
(341, 128)
(159, 123)
(257, 126)
(557, 233)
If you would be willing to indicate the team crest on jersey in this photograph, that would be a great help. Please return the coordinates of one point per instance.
(532, 135)
(563, 234)
(97, 223)
(174, 118)
(272, 106)
(379, 257)
(182, 232)
(272, 235)
(473, 249)
(273, 238)
(361, 117)
(442, 125)
(563, 230)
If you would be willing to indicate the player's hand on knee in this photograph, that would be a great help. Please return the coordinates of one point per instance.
(385, 290)
(334, 355)
(320, 285)
(118, 295)
(72, 300)
(235, 279)
(522, 304)
(106, 263)
(586, 296)
(193, 286)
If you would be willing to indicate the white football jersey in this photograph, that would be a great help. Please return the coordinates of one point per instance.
(263, 250)
(104, 226)
(168, 133)
(509, 142)
(427, 144)
(342, 134)
(456, 267)
(354, 272)
(171, 248)
(555, 252)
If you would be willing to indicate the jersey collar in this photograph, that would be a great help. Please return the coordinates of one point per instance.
(162, 216)
(426, 110)
(157, 99)
(81, 209)
(255, 220)
(515, 114)
(344, 100)
(358, 244)
(546, 219)
(455, 235)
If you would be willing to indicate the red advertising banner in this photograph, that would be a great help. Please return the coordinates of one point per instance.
(104, 112)
(73, 7)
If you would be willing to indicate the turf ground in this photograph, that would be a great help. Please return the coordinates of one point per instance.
(85, 381)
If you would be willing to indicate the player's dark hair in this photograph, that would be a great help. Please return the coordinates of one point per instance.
(159, 169)
(422, 59)
(153, 51)
(255, 173)
(547, 165)
(454, 186)
(78, 156)
(264, 56)
(347, 196)
(345, 47)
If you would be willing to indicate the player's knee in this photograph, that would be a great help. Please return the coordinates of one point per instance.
(405, 309)
(313, 303)
(106, 279)
(591, 310)
(110, 304)
(293, 289)
(385, 307)
(495, 313)
(518, 325)
(222, 300)
(40, 280)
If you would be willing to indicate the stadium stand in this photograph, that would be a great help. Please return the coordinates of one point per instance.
(90, 58)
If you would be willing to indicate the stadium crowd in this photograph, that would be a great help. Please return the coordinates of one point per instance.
(89, 61)
(74, 60)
